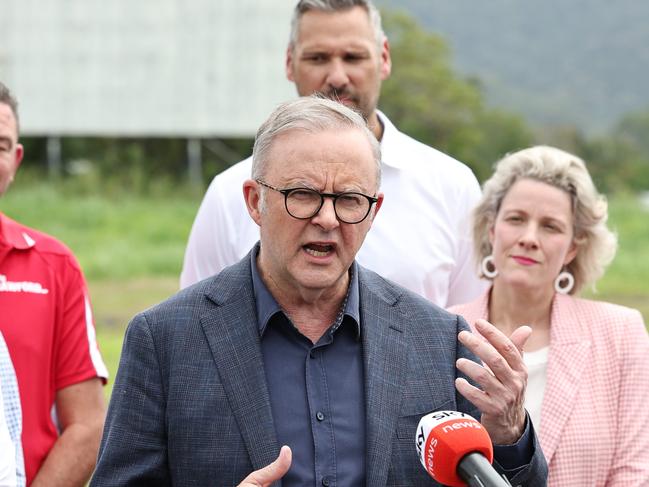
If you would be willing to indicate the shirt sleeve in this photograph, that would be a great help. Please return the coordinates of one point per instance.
(214, 241)
(464, 283)
(200, 255)
(13, 418)
(631, 454)
(7, 451)
(77, 355)
(517, 456)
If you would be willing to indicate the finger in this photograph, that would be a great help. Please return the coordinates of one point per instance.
(503, 345)
(481, 347)
(271, 472)
(504, 373)
(473, 394)
(520, 336)
(491, 394)
(479, 374)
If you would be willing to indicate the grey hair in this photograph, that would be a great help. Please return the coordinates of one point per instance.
(311, 114)
(596, 244)
(7, 98)
(304, 6)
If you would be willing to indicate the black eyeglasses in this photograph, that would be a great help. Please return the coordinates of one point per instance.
(305, 203)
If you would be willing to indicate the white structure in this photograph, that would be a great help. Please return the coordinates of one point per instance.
(193, 68)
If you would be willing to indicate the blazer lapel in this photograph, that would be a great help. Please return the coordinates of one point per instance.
(386, 361)
(568, 357)
(230, 326)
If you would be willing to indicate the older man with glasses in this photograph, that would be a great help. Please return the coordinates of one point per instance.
(298, 345)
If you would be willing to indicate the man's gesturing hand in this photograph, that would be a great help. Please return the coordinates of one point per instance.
(502, 379)
(264, 477)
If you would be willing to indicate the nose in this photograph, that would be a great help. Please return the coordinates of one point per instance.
(326, 218)
(529, 237)
(337, 75)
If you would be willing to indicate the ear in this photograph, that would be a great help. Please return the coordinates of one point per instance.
(572, 253)
(377, 205)
(252, 197)
(386, 60)
(20, 152)
(289, 64)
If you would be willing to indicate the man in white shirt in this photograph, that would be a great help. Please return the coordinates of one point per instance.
(338, 48)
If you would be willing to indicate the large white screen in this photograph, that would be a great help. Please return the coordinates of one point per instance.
(195, 68)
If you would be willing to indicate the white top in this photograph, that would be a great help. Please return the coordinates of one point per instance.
(537, 367)
(7, 452)
(419, 239)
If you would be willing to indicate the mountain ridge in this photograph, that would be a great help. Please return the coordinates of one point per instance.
(581, 63)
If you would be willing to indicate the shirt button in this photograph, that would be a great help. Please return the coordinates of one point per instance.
(326, 482)
(320, 417)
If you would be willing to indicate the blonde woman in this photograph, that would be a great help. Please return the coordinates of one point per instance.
(540, 232)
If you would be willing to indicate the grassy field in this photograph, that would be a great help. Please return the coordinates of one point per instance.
(131, 249)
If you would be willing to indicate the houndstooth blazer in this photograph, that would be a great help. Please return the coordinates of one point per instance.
(594, 427)
(190, 405)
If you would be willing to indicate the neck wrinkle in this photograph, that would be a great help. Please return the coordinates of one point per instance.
(312, 312)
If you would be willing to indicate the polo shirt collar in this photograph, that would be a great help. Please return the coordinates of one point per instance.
(13, 234)
(391, 152)
(267, 306)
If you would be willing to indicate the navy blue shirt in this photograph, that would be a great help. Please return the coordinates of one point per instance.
(317, 393)
(316, 390)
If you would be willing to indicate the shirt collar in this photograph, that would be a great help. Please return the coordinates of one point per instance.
(391, 152)
(267, 306)
(14, 235)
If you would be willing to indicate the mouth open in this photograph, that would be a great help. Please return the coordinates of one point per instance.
(318, 250)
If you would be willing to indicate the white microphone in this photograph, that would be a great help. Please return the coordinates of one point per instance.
(456, 450)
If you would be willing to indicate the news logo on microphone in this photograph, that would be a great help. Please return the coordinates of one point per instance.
(444, 439)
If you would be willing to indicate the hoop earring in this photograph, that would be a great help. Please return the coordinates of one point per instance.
(488, 267)
(564, 282)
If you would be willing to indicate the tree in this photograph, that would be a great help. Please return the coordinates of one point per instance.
(430, 102)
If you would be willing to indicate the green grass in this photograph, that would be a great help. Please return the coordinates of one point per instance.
(627, 279)
(118, 237)
(131, 249)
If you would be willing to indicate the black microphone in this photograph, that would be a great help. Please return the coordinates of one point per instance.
(456, 450)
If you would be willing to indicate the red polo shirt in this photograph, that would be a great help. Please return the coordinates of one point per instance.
(46, 320)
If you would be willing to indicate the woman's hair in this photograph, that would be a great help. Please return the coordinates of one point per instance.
(596, 244)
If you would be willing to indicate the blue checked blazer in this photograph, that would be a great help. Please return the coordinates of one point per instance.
(190, 405)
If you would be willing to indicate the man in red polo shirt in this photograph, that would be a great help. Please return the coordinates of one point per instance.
(46, 320)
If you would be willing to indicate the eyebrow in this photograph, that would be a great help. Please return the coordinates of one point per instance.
(523, 212)
(7, 140)
(562, 223)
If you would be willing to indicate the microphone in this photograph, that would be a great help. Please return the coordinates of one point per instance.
(456, 450)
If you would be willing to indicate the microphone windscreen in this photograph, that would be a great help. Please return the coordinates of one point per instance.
(443, 438)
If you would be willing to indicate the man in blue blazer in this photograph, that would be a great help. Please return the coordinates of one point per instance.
(298, 345)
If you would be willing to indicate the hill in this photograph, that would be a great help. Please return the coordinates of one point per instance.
(582, 62)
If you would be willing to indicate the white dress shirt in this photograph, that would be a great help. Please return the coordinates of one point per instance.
(419, 239)
(7, 452)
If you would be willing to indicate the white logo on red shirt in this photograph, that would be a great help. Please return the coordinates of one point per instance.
(20, 286)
